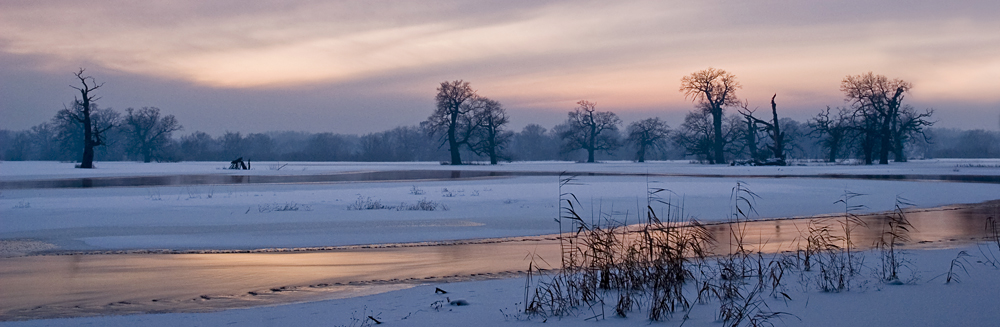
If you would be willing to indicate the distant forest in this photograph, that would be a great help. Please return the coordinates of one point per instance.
(467, 127)
(412, 143)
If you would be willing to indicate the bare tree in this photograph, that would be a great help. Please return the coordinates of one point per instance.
(69, 130)
(836, 129)
(452, 112)
(147, 131)
(909, 123)
(878, 101)
(773, 129)
(489, 136)
(82, 111)
(715, 89)
(750, 135)
(647, 135)
(697, 135)
(589, 129)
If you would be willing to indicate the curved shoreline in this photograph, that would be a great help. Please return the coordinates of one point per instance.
(75, 284)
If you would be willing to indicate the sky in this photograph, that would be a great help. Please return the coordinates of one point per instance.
(366, 66)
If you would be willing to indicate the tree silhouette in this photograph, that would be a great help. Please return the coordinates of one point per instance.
(835, 126)
(773, 129)
(451, 119)
(877, 100)
(697, 136)
(647, 135)
(589, 129)
(82, 111)
(715, 89)
(147, 131)
(488, 136)
(909, 123)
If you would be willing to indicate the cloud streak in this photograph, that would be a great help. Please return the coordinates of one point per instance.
(531, 54)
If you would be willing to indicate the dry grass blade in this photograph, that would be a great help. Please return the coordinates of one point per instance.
(895, 231)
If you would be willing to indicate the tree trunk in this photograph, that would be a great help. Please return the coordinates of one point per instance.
(779, 139)
(641, 156)
(456, 157)
(493, 149)
(719, 145)
(752, 138)
(886, 144)
(898, 150)
(868, 147)
(88, 134)
(592, 142)
(88, 157)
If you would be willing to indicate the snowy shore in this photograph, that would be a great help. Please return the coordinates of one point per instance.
(303, 215)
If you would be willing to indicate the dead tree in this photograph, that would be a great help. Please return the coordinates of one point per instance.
(82, 111)
(773, 129)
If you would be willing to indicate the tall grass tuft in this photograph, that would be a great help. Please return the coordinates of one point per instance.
(959, 262)
(644, 266)
(895, 230)
(993, 230)
(851, 222)
(993, 235)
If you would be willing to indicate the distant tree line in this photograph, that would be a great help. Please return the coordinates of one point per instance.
(874, 125)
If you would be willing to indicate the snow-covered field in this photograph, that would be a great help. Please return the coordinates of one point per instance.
(253, 216)
(26, 170)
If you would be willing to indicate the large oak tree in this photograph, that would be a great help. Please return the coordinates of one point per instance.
(714, 89)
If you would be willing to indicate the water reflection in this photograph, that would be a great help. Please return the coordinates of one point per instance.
(79, 285)
(938, 227)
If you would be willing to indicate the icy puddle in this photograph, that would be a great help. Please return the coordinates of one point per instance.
(82, 285)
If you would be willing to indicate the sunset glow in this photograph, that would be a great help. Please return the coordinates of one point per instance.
(529, 55)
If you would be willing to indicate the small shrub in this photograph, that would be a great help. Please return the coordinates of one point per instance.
(288, 206)
(367, 203)
(422, 205)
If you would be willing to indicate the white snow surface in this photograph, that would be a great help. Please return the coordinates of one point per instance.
(28, 170)
(244, 216)
(254, 216)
